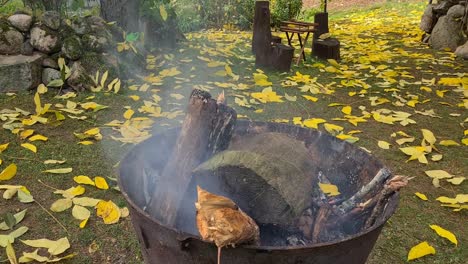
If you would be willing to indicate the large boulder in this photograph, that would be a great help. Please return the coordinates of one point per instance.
(45, 40)
(72, 48)
(462, 51)
(49, 75)
(80, 26)
(22, 22)
(10, 39)
(443, 6)
(51, 19)
(79, 79)
(10, 42)
(19, 72)
(50, 63)
(456, 11)
(427, 20)
(446, 34)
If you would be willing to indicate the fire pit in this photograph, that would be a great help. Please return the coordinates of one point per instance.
(346, 166)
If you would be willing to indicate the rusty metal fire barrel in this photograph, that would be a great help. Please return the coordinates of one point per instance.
(348, 166)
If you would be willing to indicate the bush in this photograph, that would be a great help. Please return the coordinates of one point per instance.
(285, 10)
(194, 15)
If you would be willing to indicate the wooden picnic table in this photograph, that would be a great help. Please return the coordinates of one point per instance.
(299, 28)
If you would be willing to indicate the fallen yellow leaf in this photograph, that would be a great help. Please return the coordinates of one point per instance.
(108, 211)
(101, 183)
(9, 172)
(82, 179)
(444, 233)
(29, 146)
(421, 196)
(38, 137)
(59, 171)
(383, 144)
(420, 250)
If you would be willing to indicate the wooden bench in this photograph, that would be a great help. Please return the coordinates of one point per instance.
(299, 28)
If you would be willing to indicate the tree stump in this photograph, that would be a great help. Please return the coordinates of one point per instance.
(322, 20)
(268, 50)
(326, 49)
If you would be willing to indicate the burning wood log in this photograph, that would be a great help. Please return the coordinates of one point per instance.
(207, 129)
(219, 220)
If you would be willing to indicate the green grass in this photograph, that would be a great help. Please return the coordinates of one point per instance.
(409, 226)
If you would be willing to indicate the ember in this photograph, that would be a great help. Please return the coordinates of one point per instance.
(315, 198)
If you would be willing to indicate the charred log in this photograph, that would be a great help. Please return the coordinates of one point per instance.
(207, 129)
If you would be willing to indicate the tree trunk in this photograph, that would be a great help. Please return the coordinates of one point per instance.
(261, 40)
(125, 12)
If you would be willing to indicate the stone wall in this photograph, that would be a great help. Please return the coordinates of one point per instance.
(30, 48)
(445, 24)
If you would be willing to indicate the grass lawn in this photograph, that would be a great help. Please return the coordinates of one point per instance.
(387, 77)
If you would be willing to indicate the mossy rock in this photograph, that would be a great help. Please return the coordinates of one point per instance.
(94, 62)
(72, 48)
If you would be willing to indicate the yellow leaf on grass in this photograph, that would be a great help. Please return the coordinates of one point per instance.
(464, 141)
(53, 247)
(445, 233)
(420, 250)
(402, 141)
(10, 252)
(41, 89)
(47, 162)
(34, 256)
(26, 133)
(128, 114)
(86, 143)
(61, 205)
(29, 146)
(83, 223)
(86, 201)
(438, 174)
(101, 183)
(82, 179)
(4, 147)
(92, 131)
(383, 144)
(421, 196)
(71, 192)
(9, 172)
(108, 211)
(310, 98)
(448, 143)
(329, 189)
(314, 122)
(456, 180)
(290, 98)
(428, 136)
(134, 97)
(38, 137)
(437, 157)
(37, 102)
(333, 129)
(81, 213)
(347, 110)
(59, 171)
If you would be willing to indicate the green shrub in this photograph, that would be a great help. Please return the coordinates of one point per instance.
(9, 7)
(285, 10)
